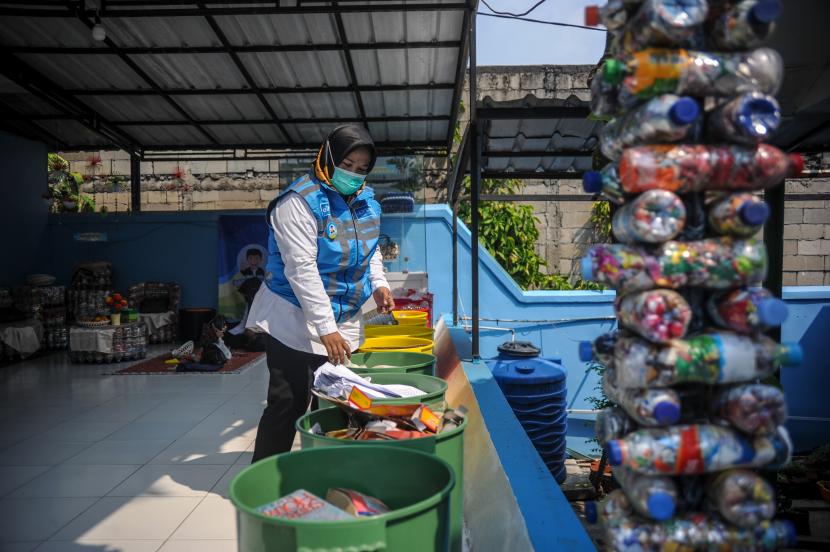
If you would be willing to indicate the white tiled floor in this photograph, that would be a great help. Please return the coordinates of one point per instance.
(91, 462)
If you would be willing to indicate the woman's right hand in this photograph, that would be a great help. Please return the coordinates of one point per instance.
(337, 348)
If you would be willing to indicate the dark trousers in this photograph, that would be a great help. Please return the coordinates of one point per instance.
(289, 391)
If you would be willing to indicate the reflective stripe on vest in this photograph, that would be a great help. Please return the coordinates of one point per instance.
(347, 237)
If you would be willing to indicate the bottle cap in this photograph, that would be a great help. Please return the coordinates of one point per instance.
(772, 311)
(684, 111)
(613, 71)
(793, 354)
(660, 505)
(667, 413)
(586, 351)
(614, 451)
(796, 165)
(591, 514)
(754, 213)
(587, 265)
(592, 182)
(766, 11)
(790, 535)
(760, 117)
(592, 16)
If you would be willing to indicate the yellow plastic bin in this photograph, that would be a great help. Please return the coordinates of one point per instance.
(405, 330)
(396, 344)
(410, 318)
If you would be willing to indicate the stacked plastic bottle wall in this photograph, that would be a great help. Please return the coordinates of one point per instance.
(689, 95)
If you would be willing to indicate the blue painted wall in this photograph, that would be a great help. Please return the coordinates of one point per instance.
(23, 223)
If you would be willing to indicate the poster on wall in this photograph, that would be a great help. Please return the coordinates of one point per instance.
(242, 255)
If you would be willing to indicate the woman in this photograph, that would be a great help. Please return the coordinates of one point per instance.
(323, 265)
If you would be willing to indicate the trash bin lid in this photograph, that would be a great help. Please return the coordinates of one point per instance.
(528, 371)
(519, 349)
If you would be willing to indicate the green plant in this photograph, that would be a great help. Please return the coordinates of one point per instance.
(115, 181)
(598, 401)
(411, 169)
(64, 187)
(600, 219)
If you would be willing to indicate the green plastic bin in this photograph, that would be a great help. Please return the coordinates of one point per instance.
(435, 389)
(409, 363)
(448, 446)
(414, 484)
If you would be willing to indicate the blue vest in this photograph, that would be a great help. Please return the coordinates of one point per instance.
(347, 236)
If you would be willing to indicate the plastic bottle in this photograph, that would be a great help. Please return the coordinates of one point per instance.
(663, 23)
(710, 358)
(612, 423)
(742, 497)
(607, 182)
(666, 118)
(747, 310)
(742, 214)
(647, 407)
(656, 71)
(695, 449)
(653, 217)
(743, 25)
(613, 15)
(604, 96)
(601, 349)
(695, 531)
(717, 263)
(652, 497)
(683, 168)
(658, 315)
(753, 408)
(747, 119)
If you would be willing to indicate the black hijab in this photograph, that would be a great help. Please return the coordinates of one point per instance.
(340, 142)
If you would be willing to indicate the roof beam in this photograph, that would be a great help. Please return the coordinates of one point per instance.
(160, 10)
(535, 112)
(184, 122)
(564, 154)
(344, 44)
(256, 90)
(140, 72)
(50, 92)
(242, 49)
(533, 175)
(460, 69)
(217, 30)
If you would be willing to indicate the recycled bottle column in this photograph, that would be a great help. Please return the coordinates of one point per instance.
(691, 421)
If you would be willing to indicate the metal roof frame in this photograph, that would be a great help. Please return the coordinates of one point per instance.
(113, 131)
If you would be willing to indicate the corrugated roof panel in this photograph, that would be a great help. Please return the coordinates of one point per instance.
(409, 131)
(87, 71)
(399, 26)
(165, 135)
(542, 135)
(267, 135)
(308, 133)
(297, 69)
(46, 31)
(279, 29)
(295, 106)
(238, 106)
(132, 108)
(538, 164)
(25, 103)
(191, 70)
(72, 132)
(407, 102)
(160, 31)
(405, 66)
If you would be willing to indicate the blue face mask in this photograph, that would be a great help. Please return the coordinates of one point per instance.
(346, 182)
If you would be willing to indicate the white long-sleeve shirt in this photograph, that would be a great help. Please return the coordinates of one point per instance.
(300, 328)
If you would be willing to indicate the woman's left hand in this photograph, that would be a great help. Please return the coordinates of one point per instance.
(383, 299)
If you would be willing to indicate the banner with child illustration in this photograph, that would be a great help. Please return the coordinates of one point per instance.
(242, 255)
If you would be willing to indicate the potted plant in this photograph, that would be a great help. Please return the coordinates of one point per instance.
(117, 303)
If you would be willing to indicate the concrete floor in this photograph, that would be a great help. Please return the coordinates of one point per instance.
(91, 462)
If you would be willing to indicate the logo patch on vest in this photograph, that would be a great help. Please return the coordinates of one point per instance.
(325, 209)
(331, 231)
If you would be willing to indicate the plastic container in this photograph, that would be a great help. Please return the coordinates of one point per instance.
(393, 344)
(658, 315)
(753, 408)
(655, 216)
(747, 119)
(696, 449)
(409, 363)
(718, 263)
(663, 23)
(402, 330)
(747, 310)
(652, 497)
(411, 317)
(647, 407)
(742, 497)
(448, 446)
(434, 389)
(742, 215)
(745, 24)
(656, 71)
(416, 485)
(664, 119)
